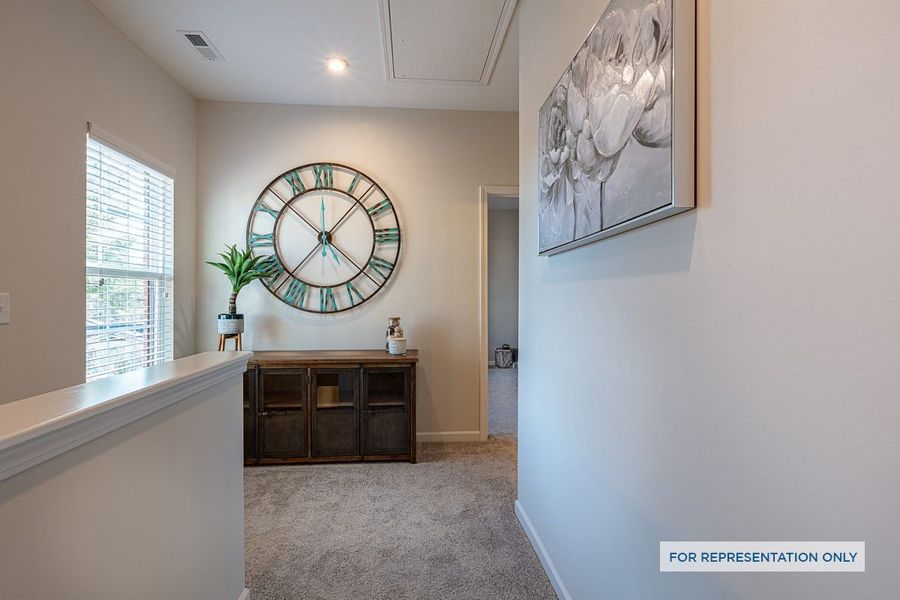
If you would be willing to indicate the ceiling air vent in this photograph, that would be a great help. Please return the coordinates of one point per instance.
(201, 43)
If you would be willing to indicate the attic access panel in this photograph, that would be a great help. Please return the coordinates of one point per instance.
(435, 41)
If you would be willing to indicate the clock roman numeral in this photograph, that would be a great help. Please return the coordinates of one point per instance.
(352, 291)
(295, 288)
(262, 240)
(272, 266)
(354, 183)
(297, 186)
(380, 208)
(387, 236)
(324, 175)
(381, 266)
(326, 297)
(265, 209)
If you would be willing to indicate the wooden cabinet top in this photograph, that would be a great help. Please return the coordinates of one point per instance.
(290, 358)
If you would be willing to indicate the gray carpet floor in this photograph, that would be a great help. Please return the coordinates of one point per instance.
(503, 395)
(442, 529)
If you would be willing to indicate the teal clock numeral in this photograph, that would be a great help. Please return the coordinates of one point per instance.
(354, 183)
(297, 186)
(269, 211)
(296, 289)
(381, 266)
(387, 236)
(324, 175)
(272, 267)
(262, 240)
(326, 298)
(352, 291)
(381, 207)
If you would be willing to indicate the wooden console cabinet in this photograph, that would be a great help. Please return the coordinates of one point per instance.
(328, 406)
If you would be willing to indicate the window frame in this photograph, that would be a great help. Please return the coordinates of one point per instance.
(159, 305)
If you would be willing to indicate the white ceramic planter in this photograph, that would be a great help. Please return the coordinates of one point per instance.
(231, 324)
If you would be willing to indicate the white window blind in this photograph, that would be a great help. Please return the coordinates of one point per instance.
(130, 271)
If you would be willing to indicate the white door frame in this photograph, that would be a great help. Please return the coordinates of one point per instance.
(506, 191)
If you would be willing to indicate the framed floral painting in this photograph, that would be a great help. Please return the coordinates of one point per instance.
(617, 131)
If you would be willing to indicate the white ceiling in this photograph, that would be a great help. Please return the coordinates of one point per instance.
(275, 50)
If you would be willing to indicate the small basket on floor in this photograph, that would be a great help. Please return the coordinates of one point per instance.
(504, 357)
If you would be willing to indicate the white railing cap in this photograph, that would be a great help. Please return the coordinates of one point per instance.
(33, 430)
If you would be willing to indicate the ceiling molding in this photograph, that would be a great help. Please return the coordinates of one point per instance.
(506, 15)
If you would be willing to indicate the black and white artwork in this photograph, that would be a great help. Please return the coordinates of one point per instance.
(606, 129)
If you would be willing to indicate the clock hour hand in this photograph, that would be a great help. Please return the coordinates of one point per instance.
(322, 235)
(333, 253)
(325, 243)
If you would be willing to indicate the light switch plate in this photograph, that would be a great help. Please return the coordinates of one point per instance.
(4, 309)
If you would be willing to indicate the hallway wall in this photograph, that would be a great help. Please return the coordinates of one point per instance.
(430, 162)
(64, 64)
(729, 373)
(503, 279)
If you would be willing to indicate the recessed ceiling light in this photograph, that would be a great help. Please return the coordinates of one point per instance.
(337, 64)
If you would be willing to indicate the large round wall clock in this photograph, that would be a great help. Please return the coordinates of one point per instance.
(329, 235)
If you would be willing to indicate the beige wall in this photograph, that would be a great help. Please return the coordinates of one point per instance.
(151, 510)
(503, 279)
(63, 64)
(730, 373)
(431, 163)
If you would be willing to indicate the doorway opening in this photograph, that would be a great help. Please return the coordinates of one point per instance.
(499, 311)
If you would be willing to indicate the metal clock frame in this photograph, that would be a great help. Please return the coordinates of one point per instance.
(287, 206)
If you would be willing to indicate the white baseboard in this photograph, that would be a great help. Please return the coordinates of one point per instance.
(448, 436)
(492, 363)
(555, 580)
(245, 595)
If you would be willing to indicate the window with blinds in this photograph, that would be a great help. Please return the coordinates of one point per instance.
(130, 271)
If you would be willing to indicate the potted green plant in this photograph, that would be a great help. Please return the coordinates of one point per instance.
(241, 268)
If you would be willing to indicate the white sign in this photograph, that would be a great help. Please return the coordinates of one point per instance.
(762, 556)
